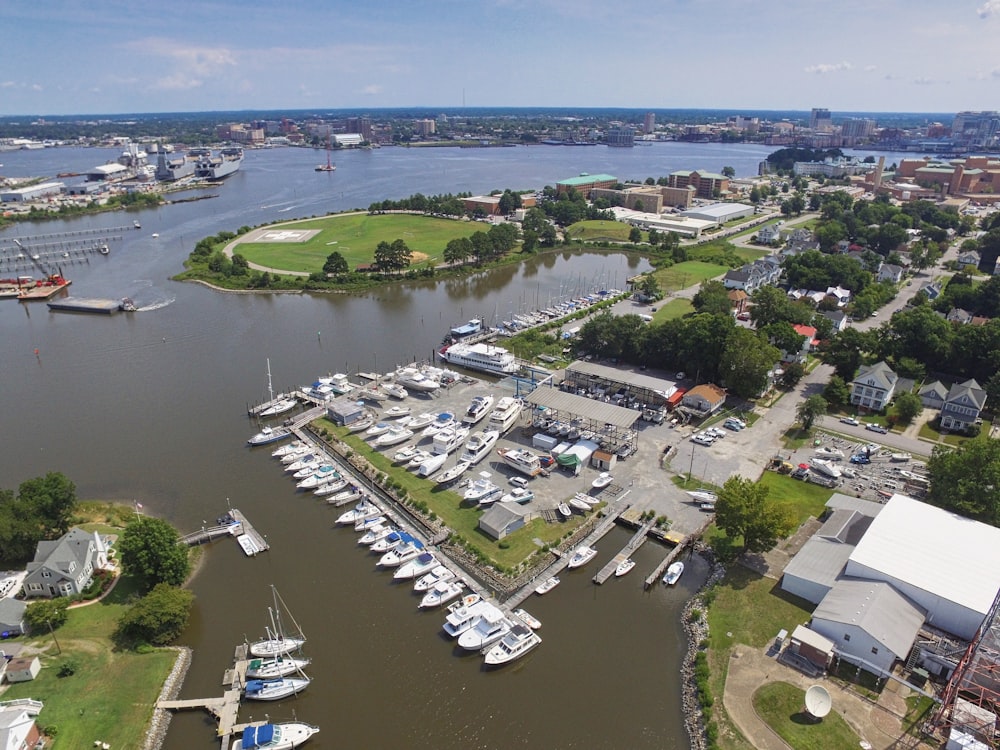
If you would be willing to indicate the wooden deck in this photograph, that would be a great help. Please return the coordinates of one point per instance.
(673, 554)
(240, 526)
(637, 540)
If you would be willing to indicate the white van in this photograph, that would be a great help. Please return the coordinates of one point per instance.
(518, 482)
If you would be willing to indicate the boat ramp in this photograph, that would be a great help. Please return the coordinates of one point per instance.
(233, 524)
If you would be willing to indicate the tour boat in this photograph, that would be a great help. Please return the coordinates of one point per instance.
(519, 641)
(624, 567)
(492, 626)
(269, 435)
(478, 409)
(673, 573)
(422, 563)
(603, 480)
(449, 439)
(482, 356)
(521, 460)
(284, 736)
(547, 585)
(479, 446)
(440, 593)
(393, 436)
(527, 618)
(505, 414)
(276, 689)
(278, 666)
(519, 495)
(412, 379)
(581, 556)
(396, 412)
(450, 475)
(438, 574)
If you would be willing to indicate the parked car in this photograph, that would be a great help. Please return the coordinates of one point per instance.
(860, 458)
(702, 439)
(850, 420)
(743, 316)
(876, 428)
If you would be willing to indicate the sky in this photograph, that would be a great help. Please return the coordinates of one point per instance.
(115, 56)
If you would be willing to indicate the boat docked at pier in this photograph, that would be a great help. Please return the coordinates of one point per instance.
(527, 618)
(284, 736)
(269, 435)
(390, 541)
(219, 167)
(490, 628)
(437, 574)
(581, 556)
(521, 460)
(373, 534)
(276, 689)
(624, 567)
(547, 585)
(277, 642)
(479, 446)
(505, 414)
(477, 410)
(519, 641)
(408, 549)
(331, 486)
(276, 666)
(275, 405)
(359, 512)
(440, 593)
(673, 573)
(418, 566)
(462, 618)
(483, 357)
(292, 447)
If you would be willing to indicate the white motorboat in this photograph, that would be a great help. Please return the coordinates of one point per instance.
(624, 567)
(362, 510)
(422, 563)
(297, 455)
(276, 689)
(440, 593)
(370, 394)
(374, 533)
(303, 461)
(482, 356)
(277, 666)
(352, 492)
(588, 499)
(340, 383)
(432, 464)
(466, 601)
(505, 415)
(420, 421)
(449, 439)
(673, 573)
(547, 585)
(703, 496)
(393, 436)
(581, 505)
(307, 471)
(377, 429)
(269, 435)
(603, 480)
(479, 446)
(404, 455)
(564, 510)
(277, 642)
(521, 460)
(482, 491)
(321, 475)
(519, 495)
(389, 542)
(438, 574)
(408, 549)
(527, 618)
(396, 412)
(830, 454)
(442, 420)
(295, 445)
(581, 556)
(450, 475)
(413, 380)
(825, 467)
(284, 736)
(331, 487)
(280, 405)
(477, 410)
(361, 424)
(519, 641)
(464, 617)
(362, 525)
(418, 459)
(395, 390)
(491, 627)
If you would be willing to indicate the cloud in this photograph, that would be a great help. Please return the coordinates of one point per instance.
(192, 64)
(36, 87)
(178, 82)
(372, 89)
(923, 81)
(988, 8)
(822, 68)
(870, 68)
(7, 85)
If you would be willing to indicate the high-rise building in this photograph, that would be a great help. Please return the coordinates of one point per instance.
(360, 125)
(649, 124)
(976, 129)
(424, 127)
(858, 127)
(622, 136)
(820, 119)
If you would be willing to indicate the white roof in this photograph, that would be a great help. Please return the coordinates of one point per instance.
(932, 549)
(718, 210)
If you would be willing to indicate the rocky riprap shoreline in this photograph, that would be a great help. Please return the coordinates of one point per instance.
(696, 631)
(158, 725)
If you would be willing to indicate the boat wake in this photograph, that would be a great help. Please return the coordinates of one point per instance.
(156, 305)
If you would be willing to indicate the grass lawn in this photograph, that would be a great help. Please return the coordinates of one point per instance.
(781, 706)
(111, 695)
(675, 308)
(459, 517)
(928, 432)
(804, 498)
(355, 236)
(688, 273)
(597, 230)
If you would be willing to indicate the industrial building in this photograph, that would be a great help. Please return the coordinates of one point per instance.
(584, 183)
(34, 192)
(601, 424)
(719, 213)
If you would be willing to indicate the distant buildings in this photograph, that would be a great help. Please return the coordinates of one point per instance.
(820, 119)
(649, 123)
(976, 129)
(585, 183)
(622, 136)
(706, 184)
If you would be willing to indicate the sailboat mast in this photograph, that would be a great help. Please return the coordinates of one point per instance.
(270, 390)
(277, 598)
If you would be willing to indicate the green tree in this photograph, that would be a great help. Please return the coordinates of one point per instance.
(157, 618)
(836, 392)
(649, 287)
(728, 171)
(52, 502)
(807, 411)
(335, 264)
(745, 362)
(908, 406)
(635, 235)
(791, 374)
(712, 297)
(967, 479)
(151, 551)
(44, 614)
(745, 510)
(754, 195)
(770, 305)
(509, 202)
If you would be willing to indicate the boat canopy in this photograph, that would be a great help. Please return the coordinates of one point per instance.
(255, 686)
(567, 459)
(257, 736)
(406, 538)
(425, 557)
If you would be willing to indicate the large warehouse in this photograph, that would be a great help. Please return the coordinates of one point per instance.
(719, 213)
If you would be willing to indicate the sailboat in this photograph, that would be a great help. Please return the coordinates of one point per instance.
(328, 167)
(276, 642)
(279, 405)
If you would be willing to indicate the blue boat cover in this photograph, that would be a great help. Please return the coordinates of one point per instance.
(254, 686)
(257, 736)
(426, 557)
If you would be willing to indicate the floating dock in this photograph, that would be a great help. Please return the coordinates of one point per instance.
(41, 292)
(238, 527)
(681, 542)
(87, 305)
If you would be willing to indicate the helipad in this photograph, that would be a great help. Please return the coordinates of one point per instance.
(281, 235)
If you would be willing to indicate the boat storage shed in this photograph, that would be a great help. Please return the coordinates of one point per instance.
(601, 380)
(613, 426)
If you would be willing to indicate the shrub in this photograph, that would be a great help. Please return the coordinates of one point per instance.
(67, 668)
(695, 615)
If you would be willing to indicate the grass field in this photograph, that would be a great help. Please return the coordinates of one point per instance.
(111, 695)
(675, 308)
(750, 609)
(780, 705)
(688, 273)
(596, 230)
(355, 236)
(803, 498)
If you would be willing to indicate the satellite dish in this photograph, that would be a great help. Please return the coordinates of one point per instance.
(818, 701)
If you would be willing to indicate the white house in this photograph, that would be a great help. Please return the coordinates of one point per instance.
(18, 730)
(66, 566)
(890, 272)
(962, 405)
(874, 386)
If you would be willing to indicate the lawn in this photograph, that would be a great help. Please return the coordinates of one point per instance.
(781, 706)
(675, 308)
(688, 273)
(462, 519)
(355, 236)
(803, 498)
(111, 694)
(598, 230)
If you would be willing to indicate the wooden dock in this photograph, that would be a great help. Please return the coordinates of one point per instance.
(637, 540)
(249, 539)
(673, 554)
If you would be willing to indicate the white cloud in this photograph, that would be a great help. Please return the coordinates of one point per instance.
(36, 87)
(923, 81)
(178, 82)
(192, 64)
(870, 68)
(822, 68)
(988, 8)
(372, 89)
(7, 85)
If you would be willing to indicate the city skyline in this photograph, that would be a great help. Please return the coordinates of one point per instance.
(111, 57)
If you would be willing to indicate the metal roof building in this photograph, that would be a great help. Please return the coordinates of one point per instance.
(645, 388)
(588, 408)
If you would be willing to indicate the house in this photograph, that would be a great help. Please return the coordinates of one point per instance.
(932, 289)
(969, 260)
(704, 399)
(738, 300)
(809, 343)
(890, 272)
(874, 386)
(768, 234)
(933, 395)
(345, 411)
(962, 406)
(12, 617)
(23, 669)
(744, 279)
(838, 317)
(18, 730)
(502, 519)
(843, 296)
(66, 566)
(958, 315)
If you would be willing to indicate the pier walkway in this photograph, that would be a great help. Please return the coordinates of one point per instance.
(681, 544)
(637, 540)
(250, 540)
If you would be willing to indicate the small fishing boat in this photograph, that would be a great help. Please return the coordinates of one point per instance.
(624, 567)
(673, 573)
(527, 618)
(564, 510)
(547, 585)
(603, 480)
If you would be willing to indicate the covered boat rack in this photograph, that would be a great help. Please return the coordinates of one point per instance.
(613, 426)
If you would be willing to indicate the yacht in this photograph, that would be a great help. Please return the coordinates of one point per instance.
(389, 542)
(438, 574)
(364, 509)
(393, 436)
(449, 439)
(284, 736)
(547, 585)
(521, 460)
(491, 627)
(295, 445)
(624, 567)
(432, 464)
(450, 475)
(422, 563)
(581, 556)
(396, 412)
(269, 435)
(479, 446)
(371, 522)
(276, 689)
(335, 485)
(462, 618)
(277, 666)
(351, 492)
(520, 495)
(420, 421)
(444, 419)
(477, 410)
(309, 459)
(503, 417)
(395, 390)
(321, 475)
(404, 455)
(673, 573)
(519, 641)
(378, 428)
(297, 455)
(482, 357)
(482, 491)
(407, 550)
(440, 593)
(374, 533)
(412, 379)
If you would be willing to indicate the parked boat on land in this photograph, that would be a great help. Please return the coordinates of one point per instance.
(432, 464)
(450, 475)
(519, 495)
(564, 510)
(396, 412)
(420, 421)
(505, 415)
(362, 424)
(673, 573)
(703, 496)
(581, 505)
(521, 460)
(418, 459)
(479, 446)
(481, 356)
(825, 467)
(395, 390)
(547, 585)
(284, 736)
(830, 454)
(478, 409)
(482, 491)
(581, 556)
(444, 419)
(393, 436)
(413, 380)
(377, 429)
(518, 642)
(404, 455)
(603, 480)
(449, 439)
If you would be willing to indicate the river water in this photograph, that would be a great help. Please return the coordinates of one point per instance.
(151, 407)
